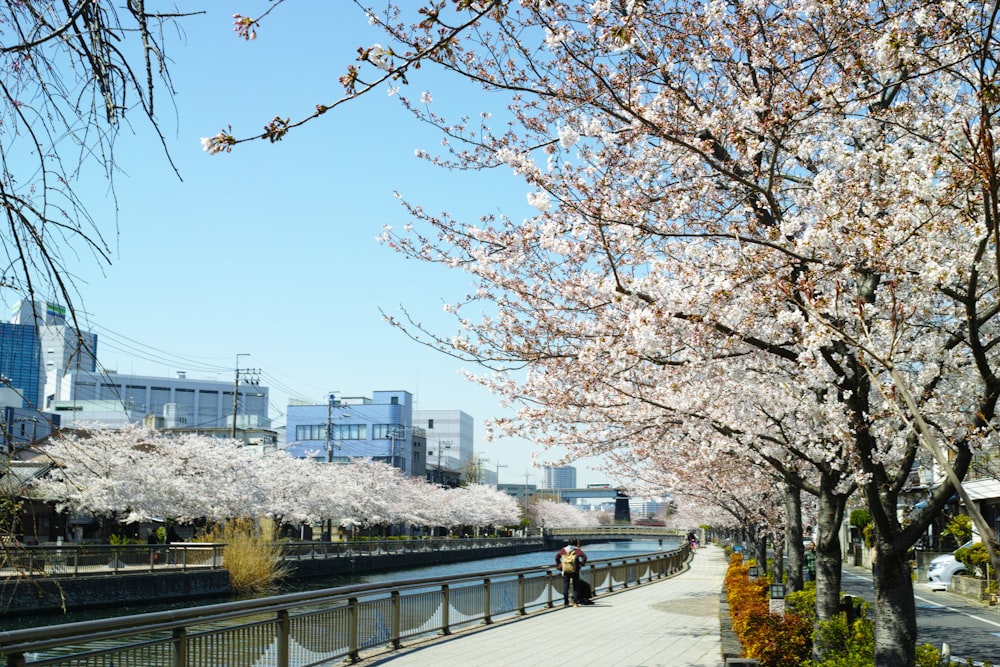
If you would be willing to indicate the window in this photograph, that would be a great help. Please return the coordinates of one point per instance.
(430, 423)
(394, 400)
(349, 432)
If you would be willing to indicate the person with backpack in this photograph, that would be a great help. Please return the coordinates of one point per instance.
(569, 560)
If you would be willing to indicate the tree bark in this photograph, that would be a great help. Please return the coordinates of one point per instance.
(896, 629)
(828, 555)
(793, 535)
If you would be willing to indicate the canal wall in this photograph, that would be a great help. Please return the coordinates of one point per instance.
(304, 568)
(35, 594)
(49, 594)
(53, 594)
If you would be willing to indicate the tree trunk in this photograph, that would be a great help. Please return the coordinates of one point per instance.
(760, 546)
(793, 535)
(828, 555)
(895, 611)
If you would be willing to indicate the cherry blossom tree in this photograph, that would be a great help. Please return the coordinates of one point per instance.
(728, 196)
(554, 514)
(134, 474)
(481, 505)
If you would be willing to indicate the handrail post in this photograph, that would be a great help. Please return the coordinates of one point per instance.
(353, 631)
(180, 647)
(487, 606)
(284, 632)
(397, 613)
(445, 609)
(521, 596)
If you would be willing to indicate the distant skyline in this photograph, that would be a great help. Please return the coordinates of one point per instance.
(269, 253)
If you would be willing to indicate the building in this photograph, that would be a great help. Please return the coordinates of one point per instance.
(522, 492)
(559, 477)
(179, 402)
(380, 428)
(38, 348)
(450, 442)
(21, 427)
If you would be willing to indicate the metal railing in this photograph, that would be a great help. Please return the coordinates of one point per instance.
(317, 627)
(314, 550)
(76, 560)
(623, 530)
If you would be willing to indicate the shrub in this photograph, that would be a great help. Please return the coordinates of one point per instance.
(976, 560)
(844, 644)
(253, 561)
(773, 639)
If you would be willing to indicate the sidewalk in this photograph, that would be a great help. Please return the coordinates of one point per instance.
(667, 623)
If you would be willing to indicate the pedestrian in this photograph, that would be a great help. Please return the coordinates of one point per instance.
(569, 560)
(809, 559)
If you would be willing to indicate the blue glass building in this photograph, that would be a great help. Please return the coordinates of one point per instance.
(21, 362)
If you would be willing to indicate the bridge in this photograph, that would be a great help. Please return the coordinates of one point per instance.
(612, 533)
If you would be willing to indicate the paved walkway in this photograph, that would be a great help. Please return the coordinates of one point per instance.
(668, 623)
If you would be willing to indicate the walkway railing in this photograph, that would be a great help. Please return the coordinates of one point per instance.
(316, 627)
(76, 560)
(88, 559)
(312, 550)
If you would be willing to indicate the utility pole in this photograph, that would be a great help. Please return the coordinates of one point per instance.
(527, 474)
(442, 444)
(329, 426)
(498, 472)
(236, 386)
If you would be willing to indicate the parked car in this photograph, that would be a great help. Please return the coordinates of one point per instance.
(942, 569)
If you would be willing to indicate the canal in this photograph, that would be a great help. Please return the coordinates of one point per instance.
(538, 558)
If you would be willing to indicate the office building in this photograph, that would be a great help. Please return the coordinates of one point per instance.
(38, 348)
(179, 402)
(559, 477)
(379, 427)
(450, 441)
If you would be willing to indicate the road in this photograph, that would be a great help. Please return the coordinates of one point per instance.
(972, 630)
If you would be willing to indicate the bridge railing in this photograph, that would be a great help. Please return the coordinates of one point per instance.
(312, 550)
(623, 530)
(316, 627)
(89, 559)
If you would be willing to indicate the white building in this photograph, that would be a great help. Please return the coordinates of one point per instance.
(114, 399)
(450, 438)
(559, 477)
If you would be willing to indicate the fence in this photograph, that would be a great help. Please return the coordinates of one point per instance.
(88, 559)
(318, 627)
(321, 550)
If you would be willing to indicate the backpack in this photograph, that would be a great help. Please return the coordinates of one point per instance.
(569, 562)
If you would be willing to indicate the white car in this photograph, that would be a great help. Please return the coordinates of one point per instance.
(942, 569)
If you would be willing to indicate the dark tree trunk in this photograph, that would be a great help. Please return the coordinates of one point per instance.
(828, 555)
(760, 546)
(895, 611)
(793, 535)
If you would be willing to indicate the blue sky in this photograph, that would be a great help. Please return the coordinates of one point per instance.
(270, 251)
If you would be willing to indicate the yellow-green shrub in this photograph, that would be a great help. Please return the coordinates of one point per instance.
(772, 639)
(253, 560)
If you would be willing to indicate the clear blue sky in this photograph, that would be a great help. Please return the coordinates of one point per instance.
(271, 250)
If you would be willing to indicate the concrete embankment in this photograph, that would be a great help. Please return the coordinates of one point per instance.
(40, 594)
(45, 594)
(366, 563)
